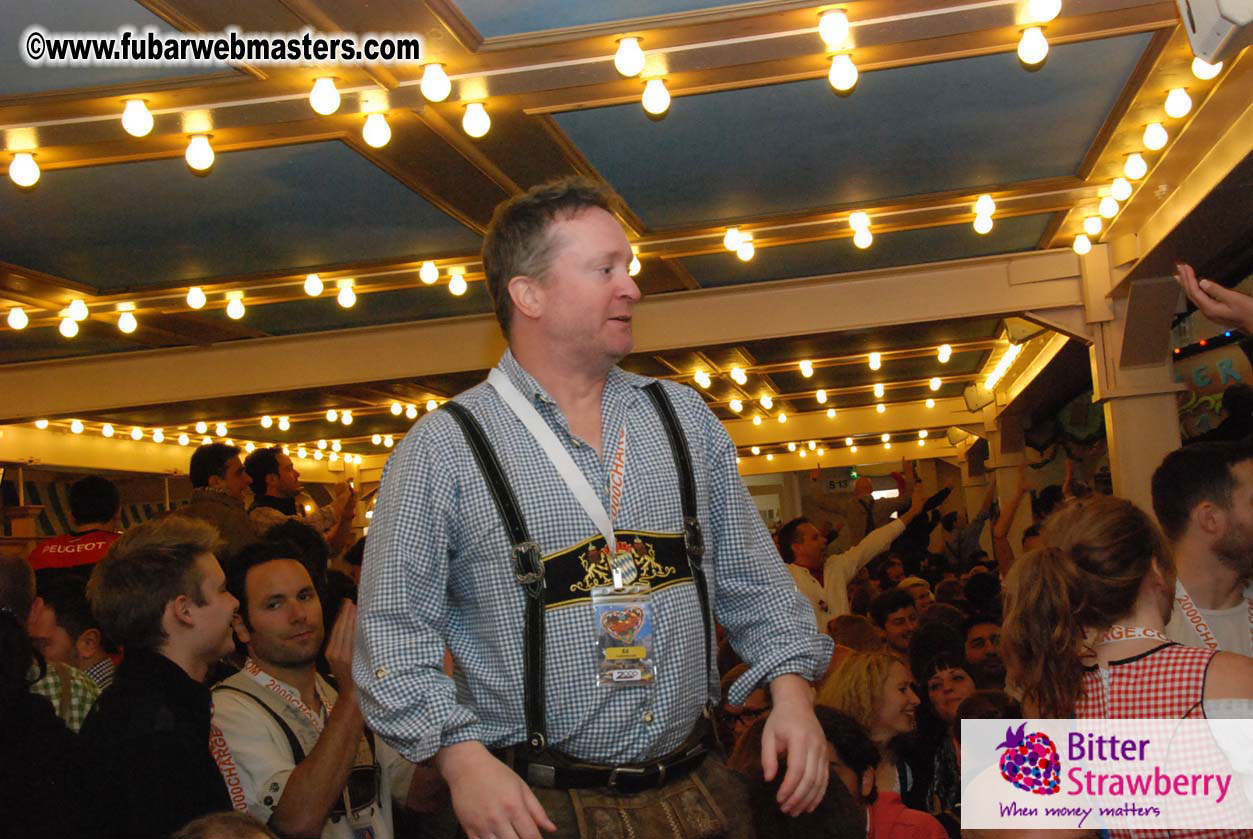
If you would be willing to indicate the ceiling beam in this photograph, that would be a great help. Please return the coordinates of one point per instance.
(843, 458)
(990, 286)
(861, 423)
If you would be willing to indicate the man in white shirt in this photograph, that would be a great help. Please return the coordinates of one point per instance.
(294, 751)
(1203, 498)
(824, 580)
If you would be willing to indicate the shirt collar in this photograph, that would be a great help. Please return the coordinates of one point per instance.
(616, 382)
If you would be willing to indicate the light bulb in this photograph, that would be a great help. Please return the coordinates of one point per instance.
(199, 154)
(875, 360)
(411, 412)
(136, 118)
(377, 439)
(202, 427)
(738, 375)
(334, 457)
(1092, 225)
(475, 120)
(1135, 168)
(634, 268)
(821, 396)
(746, 250)
(317, 455)
(791, 447)
(702, 379)
(1120, 189)
(332, 415)
(1082, 244)
(807, 368)
(106, 430)
(18, 318)
(922, 435)
(862, 238)
(833, 28)
(765, 401)
(431, 404)
(76, 427)
(1205, 71)
(843, 73)
(324, 98)
(984, 205)
(782, 417)
(656, 99)
(1155, 136)
(158, 435)
(196, 297)
(313, 285)
(629, 59)
(321, 444)
(435, 84)
(1178, 103)
(885, 437)
(830, 413)
(880, 408)
(737, 405)
(376, 132)
(1042, 11)
(769, 456)
(944, 353)
(78, 309)
(346, 297)
(878, 390)
(983, 225)
(336, 446)
(397, 409)
(220, 429)
(1108, 207)
(41, 424)
(858, 220)
(457, 285)
(137, 433)
(346, 417)
(250, 447)
(284, 423)
(853, 449)
(24, 171)
(930, 403)
(731, 241)
(757, 419)
(388, 441)
(1033, 47)
(183, 439)
(235, 308)
(935, 383)
(127, 323)
(69, 327)
(267, 421)
(428, 273)
(755, 450)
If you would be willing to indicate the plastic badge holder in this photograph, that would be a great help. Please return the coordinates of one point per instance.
(624, 636)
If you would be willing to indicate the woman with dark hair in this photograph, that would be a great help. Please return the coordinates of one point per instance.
(1085, 628)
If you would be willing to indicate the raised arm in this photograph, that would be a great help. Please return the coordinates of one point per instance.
(1218, 303)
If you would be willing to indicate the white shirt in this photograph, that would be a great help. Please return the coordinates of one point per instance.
(1230, 626)
(829, 599)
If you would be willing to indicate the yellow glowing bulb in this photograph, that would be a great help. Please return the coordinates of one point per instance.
(1155, 136)
(196, 297)
(317, 455)
(332, 415)
(411, 412)
(24, 171)
(821, 396)
(435, 84)
(746, 250)
(431, 404)
(983, 225)
(267, 421)
(376, 132)
(782, 417)
(1092, 225)
(1120, 189)
(843, 73)
(702, 378)
(235, 308)
(1135, 168)
(853, 449)
(769, 456)
(830, 413)
(199, 154)
(428, 273)
(18, 318)
(807, 368)
(984, 205)
(656, 99)
(1033, 47)
(388, 441)
(791, 447)
(346, 417)
(1082, 244)
(944, 353)
(922, 434)
(757, 419)
(756, 449)
(930, 403)
(1205, 71)
(183, 439)
(1042, 11)
(136, 118)
(69, 327)
(106, 430)
(126, 322)
(284, 423)
(629, 58)
(137, 433)
(935, 383)
(397, 409)
(875, 360)
(766, 401)
(41, 424)
(457, 285)
(220, 429)
(878, 390)
(158, 435)
(346, 297)
(863, 238)
(738, 375)
(313, 285)
(336, 446)
(833, 28)
(78, 309)
(801, 453)
(475, 121)
(731, 241)
(76, 427)
(880, 408)
(885, 437)
(858, 220)
(737, 405)
(202, 427)
(1178, 103)
(1108, 207)
(377, 439)
(324, 97)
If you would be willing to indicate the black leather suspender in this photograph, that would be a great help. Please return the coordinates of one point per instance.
(529, 565)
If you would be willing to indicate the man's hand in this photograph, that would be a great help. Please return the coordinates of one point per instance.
(490, 800)
(339, 648)
(792, 730)
(916, 503)
(1219, 304)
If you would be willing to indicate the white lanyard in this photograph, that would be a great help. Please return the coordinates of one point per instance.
(275, 686)
(1193, 616)
(566, 467)
(1119, 632)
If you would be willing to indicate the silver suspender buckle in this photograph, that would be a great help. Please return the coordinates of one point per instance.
(528, 566)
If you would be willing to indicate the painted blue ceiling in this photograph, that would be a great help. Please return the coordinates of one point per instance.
(906, 247)
(907, 131)
(418, 303)
(156, 222)
(65, 16)
(493, 19)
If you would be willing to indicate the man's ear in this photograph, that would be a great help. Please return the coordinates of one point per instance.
(241, 631)
(179, 611)
(527, 295)
(1209, 519)
(87, 644)
(215, 482)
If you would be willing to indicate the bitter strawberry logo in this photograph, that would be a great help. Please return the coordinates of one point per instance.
(1030, 762)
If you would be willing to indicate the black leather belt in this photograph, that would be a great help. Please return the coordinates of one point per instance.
(628, 779)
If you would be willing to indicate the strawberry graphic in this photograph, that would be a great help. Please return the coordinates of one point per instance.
(1030, 762)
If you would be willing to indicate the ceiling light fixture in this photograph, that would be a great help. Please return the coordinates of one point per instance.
(1033, 47)
(136, 118)
(1205, 71)
(435, 84)
(475, 120)
(346, 297)
(843, 73)
(199, 154)
(1135, 168)
(196, 297)
(1120, 189)
(656, 99)
(17, 318)
(376, 132)
(1178, 103)
(313, 285)
(324, 97)
(235, 308)
(23, 170)
(1082, 244)
(428, 273)
(629, 58)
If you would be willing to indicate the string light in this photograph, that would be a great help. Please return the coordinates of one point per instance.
(747, 249)
(830, 413)
(737, 405)
(702, 379)
(267, 421)
(930, 403)
(397, 409)
(766, 402)
(1155, 136)
(334, 457)
(388, 441)
(411, 412)
(346, 297)
(629, 58)
(196, 297)
(848, 441)
(23, 170)
(332, 415)
(457, 284)
(317, 455)
(302, 452)
(1205, 71)
(934, 384)
(1092, 225)
(137, 120)
(324, 97)
(41, 424)
(76, 426)
(1178, 103)
(885, 437)
(863, 238)
(376, 132)
(17, 318)
(843, 73)
(880, 408)
(782, 417)
(435, 84)
(757, 419)
(1042, 11)
(1120, 189)
(833, 28)
(738, 375)
(284, 423)
(1033, 47)
(656, 99)
(878, 390)
(853, 449)
(183, 439)
(202, 427)
(806, 368)
(137, 433)
(235, 308)
(1108, 207)
(69, 327)
(78, 309)
(769, 457)
(313, 285)
(1135, 168)
(475, 120)
(984, 205)
(731, 240)
(858, 220)
(821, 396)
(428, 273)
(337, 445)
(199, 154)
(944, 353)
(321, 444)
(922, 435)
(983, 225)
(431, 404)
(106, 430)
(158, 435)
(755, 450)
(345, 417)
(1082, 244)
(126, 320)
(875, 360)
(791, 447)
(220, 430)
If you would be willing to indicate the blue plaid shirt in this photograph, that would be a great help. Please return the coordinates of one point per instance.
(438, 573)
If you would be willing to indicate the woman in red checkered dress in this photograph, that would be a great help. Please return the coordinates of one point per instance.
(1084, 633)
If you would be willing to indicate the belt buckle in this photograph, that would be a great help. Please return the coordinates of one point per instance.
(625, 770)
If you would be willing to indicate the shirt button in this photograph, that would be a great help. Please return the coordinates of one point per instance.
(648, 716)
(380, 673)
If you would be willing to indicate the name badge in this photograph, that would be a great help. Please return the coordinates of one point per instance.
(624, 635)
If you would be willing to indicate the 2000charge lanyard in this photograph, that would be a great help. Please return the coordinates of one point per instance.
(271, 684)
(1193, 616)
(623, 612)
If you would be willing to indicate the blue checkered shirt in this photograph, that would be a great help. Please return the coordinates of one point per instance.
(438, 573)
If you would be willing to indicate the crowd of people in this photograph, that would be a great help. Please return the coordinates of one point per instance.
(251, 668)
